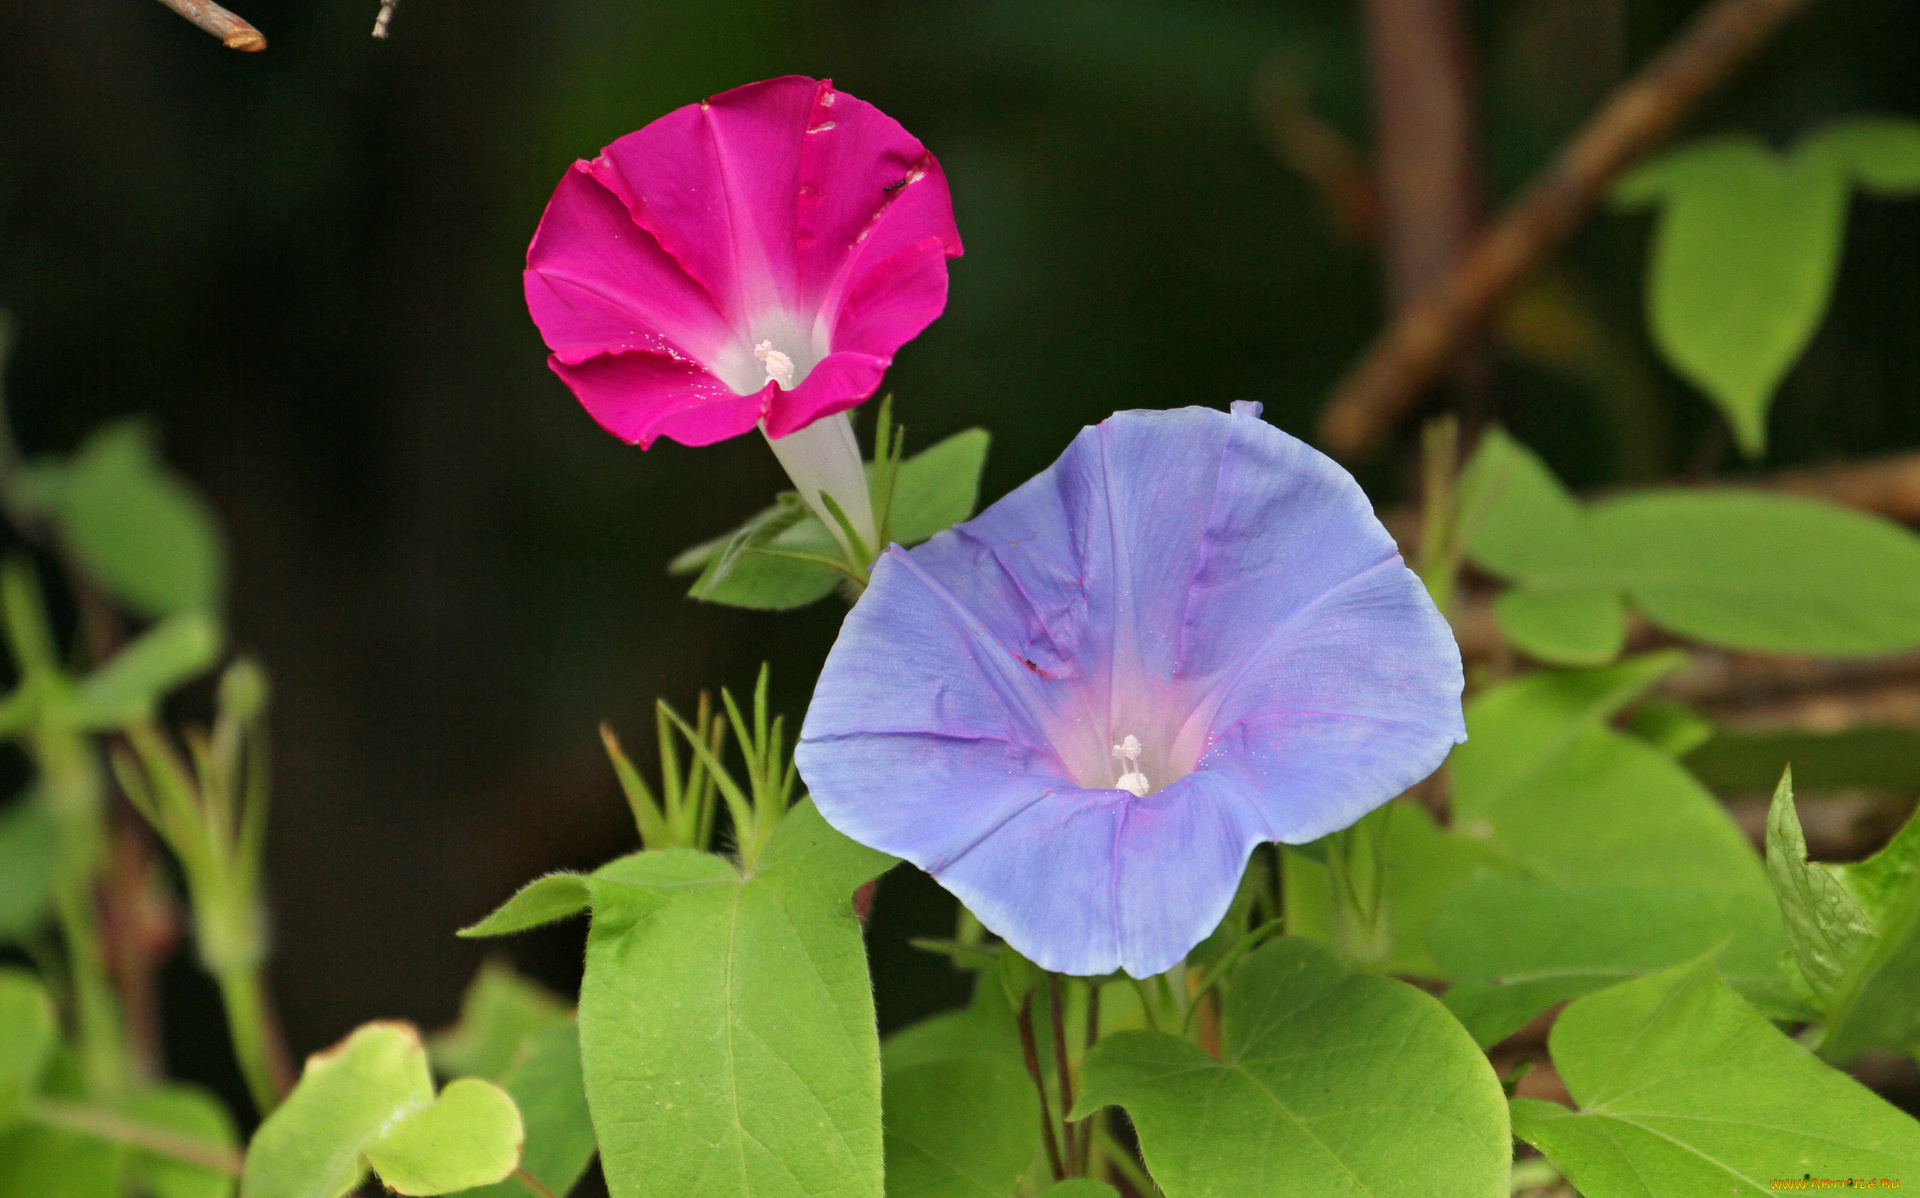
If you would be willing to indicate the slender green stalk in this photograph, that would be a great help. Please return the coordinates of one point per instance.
(1063, 1077)
(1029, 1048)
(111, 1125)
(1121, 1158)
(256, 1042)
(72, 786)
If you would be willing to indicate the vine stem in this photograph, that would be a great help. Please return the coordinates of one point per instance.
(1069, 1132)
(1031, 1051)
(110, 1125)
(257, 1043)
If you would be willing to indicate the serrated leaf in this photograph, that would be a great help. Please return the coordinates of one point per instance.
(1521, 946)
(551, 897)
(139, 529)
(29, 837)
(499, 1011)
(1362, 1084)
(1684, 1089)
(470, 1136)
(1745, 250)
(726, 1021)
(371, 1097)
(27, 1037)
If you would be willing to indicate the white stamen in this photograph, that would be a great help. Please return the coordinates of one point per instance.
(779, 366)
(1132, 781)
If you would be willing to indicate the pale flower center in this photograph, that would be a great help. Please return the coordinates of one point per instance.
(779, 366)
(1132, 780)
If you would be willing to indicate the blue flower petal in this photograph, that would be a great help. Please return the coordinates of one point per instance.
(1199, 580)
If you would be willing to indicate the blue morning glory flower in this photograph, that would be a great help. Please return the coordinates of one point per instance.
(1082, 710)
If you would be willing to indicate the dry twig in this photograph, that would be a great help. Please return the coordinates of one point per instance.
(384, 19)
(1390, 381)
(233, 31)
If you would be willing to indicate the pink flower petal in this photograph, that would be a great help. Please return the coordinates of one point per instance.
(894, 301)
(868, 189)
(598, 283)
(841, 381)
(639, 396)
(716, 183)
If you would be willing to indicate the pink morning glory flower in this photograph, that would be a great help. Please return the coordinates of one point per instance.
(753, 260)
(1081, 710)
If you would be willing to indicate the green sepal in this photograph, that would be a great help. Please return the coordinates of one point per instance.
(551, 897)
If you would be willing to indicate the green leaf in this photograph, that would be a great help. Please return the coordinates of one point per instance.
(46, 1162)
(1864, 757)
(547, 898)
(1744, 255)
(27, 1037)
(131, 684)
(544, 1081)
(29, 839)
(469, 1137)
(1575, 628)
(1854, 931)
(192, 1113)
(137, 528)
(1522, 946)
(935, 489)
(726, 1021)
(1355, 1084)
(1080, 1187)
(1515, 517)
(1882, 153)
(1743, 569)
(938, 487)
(961, 1116)
(500, 1010)
(1424, 864)
(1684, 1089)
(1671, 727)
(370, 1099)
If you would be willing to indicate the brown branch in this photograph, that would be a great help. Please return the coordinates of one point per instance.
(383, 19)
(233, 31)
(1389, 381)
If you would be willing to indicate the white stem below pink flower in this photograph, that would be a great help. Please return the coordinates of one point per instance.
(824, 457)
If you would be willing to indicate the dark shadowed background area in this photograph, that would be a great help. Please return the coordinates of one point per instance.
(305, 263)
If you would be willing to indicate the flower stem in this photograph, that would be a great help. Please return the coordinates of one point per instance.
(1032, 1053)
(257, 1043)
(1069, 1131)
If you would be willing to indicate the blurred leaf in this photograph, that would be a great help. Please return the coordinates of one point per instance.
(470, 1136)
(29, 839)
(137, 528)
(45, 1162)
(553, 896)
(1744, 255)
(1745, 569)
(1078, 1187)
(1854, 931)
(1575, 628)
(1424, 864)
(935, 489)
(961, 1116)
(27, 1036)
(131, 684)
(1324, 1075)
(370, 1099)
(545, 1083)
(193, 1113)
(1864, 757)
(1882, 153)
(1671, 727)
(755, 1068)
(500, 1010)
(1521, 945)
(1684, 1089)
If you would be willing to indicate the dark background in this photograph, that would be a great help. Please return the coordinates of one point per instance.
(305, 263)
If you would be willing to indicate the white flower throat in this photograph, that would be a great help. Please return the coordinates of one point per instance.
(779, 366)
(1132, 781)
